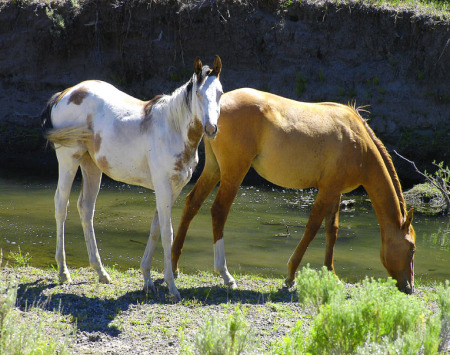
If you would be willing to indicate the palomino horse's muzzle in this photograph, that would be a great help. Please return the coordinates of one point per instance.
(210, 130)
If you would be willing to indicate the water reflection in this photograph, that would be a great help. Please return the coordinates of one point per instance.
(263, 229)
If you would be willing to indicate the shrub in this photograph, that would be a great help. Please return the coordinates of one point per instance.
(375, 319)
(318, 287)
(443, 295)
(229, 337)
(376, 313)
(22, 337)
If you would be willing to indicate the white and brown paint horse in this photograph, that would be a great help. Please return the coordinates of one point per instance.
(152, 144)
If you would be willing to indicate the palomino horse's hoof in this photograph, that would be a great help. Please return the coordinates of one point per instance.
(289, 283)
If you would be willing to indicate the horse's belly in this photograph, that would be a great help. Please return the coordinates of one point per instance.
(120, 166)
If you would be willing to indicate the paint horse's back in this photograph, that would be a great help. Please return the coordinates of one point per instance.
(113, 118)
(293, 144)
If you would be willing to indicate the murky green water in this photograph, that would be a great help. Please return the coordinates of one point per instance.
(256, 238)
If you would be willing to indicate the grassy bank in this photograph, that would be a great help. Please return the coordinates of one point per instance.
(260, 316)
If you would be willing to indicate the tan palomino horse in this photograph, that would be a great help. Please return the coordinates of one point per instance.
(299, 145)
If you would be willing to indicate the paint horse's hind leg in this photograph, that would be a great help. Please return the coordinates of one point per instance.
(331, 231)
(146, 262)
(324, 204)
(86, 206)
(67, 168)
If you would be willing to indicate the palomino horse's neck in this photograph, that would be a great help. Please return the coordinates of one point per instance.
(382, 193)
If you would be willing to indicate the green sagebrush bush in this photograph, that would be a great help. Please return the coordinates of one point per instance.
(18, 336)
(318, 287)
(223, 337)
(375, 318)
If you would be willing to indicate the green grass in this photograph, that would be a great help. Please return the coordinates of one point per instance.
(437, 8)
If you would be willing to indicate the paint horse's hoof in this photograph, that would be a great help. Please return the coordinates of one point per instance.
(149, 289)
(104, 279)
(175, 297)
(289, 283)
(176, 273)
(232, 284)
(65, 278)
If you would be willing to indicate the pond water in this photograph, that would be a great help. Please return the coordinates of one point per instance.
(263, 229)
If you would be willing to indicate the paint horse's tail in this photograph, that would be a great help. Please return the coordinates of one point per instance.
(67, 136)
(46, 114)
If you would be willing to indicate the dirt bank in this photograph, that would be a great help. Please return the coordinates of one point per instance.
(398, 62)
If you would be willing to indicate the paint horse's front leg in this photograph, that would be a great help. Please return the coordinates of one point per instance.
(163, 217)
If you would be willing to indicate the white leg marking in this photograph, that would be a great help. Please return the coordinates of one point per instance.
(220, 264)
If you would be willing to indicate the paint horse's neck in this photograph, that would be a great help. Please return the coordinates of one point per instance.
(181, 112)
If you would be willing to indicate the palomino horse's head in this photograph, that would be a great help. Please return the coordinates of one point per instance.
(397, 255)
(207, 93)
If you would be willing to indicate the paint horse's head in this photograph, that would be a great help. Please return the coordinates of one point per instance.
(206, 96)
(397, 254)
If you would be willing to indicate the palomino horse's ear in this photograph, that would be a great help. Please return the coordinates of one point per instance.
(408, 219)
(217, 66)
(198, 67)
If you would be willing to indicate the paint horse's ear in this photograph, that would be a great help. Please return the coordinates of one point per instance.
(408, 219)
(198, 67)
(217, 66)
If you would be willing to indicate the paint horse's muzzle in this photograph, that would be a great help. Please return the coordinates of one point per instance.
(210, 130)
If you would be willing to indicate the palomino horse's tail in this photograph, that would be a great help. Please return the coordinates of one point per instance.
(67, 136)
(387, 161)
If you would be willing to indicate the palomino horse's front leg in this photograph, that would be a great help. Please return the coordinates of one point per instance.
(146, 262)
(232, 175)
(331, 231)
(205, 184)
(322, 206)
(86, 206)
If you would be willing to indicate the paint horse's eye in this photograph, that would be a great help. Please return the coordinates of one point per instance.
(198, 94)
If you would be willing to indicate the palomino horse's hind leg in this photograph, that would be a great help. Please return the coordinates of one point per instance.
(86, 206)
(331, 231)
(205, 184)
(146, 262)
(322, 206)
(67, 168)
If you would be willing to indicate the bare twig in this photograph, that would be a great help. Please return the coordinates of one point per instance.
(440, 184)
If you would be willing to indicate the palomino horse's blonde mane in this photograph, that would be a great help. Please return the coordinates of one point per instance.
(385, 155)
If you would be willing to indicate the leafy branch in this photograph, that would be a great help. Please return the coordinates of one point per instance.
(440, 179)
